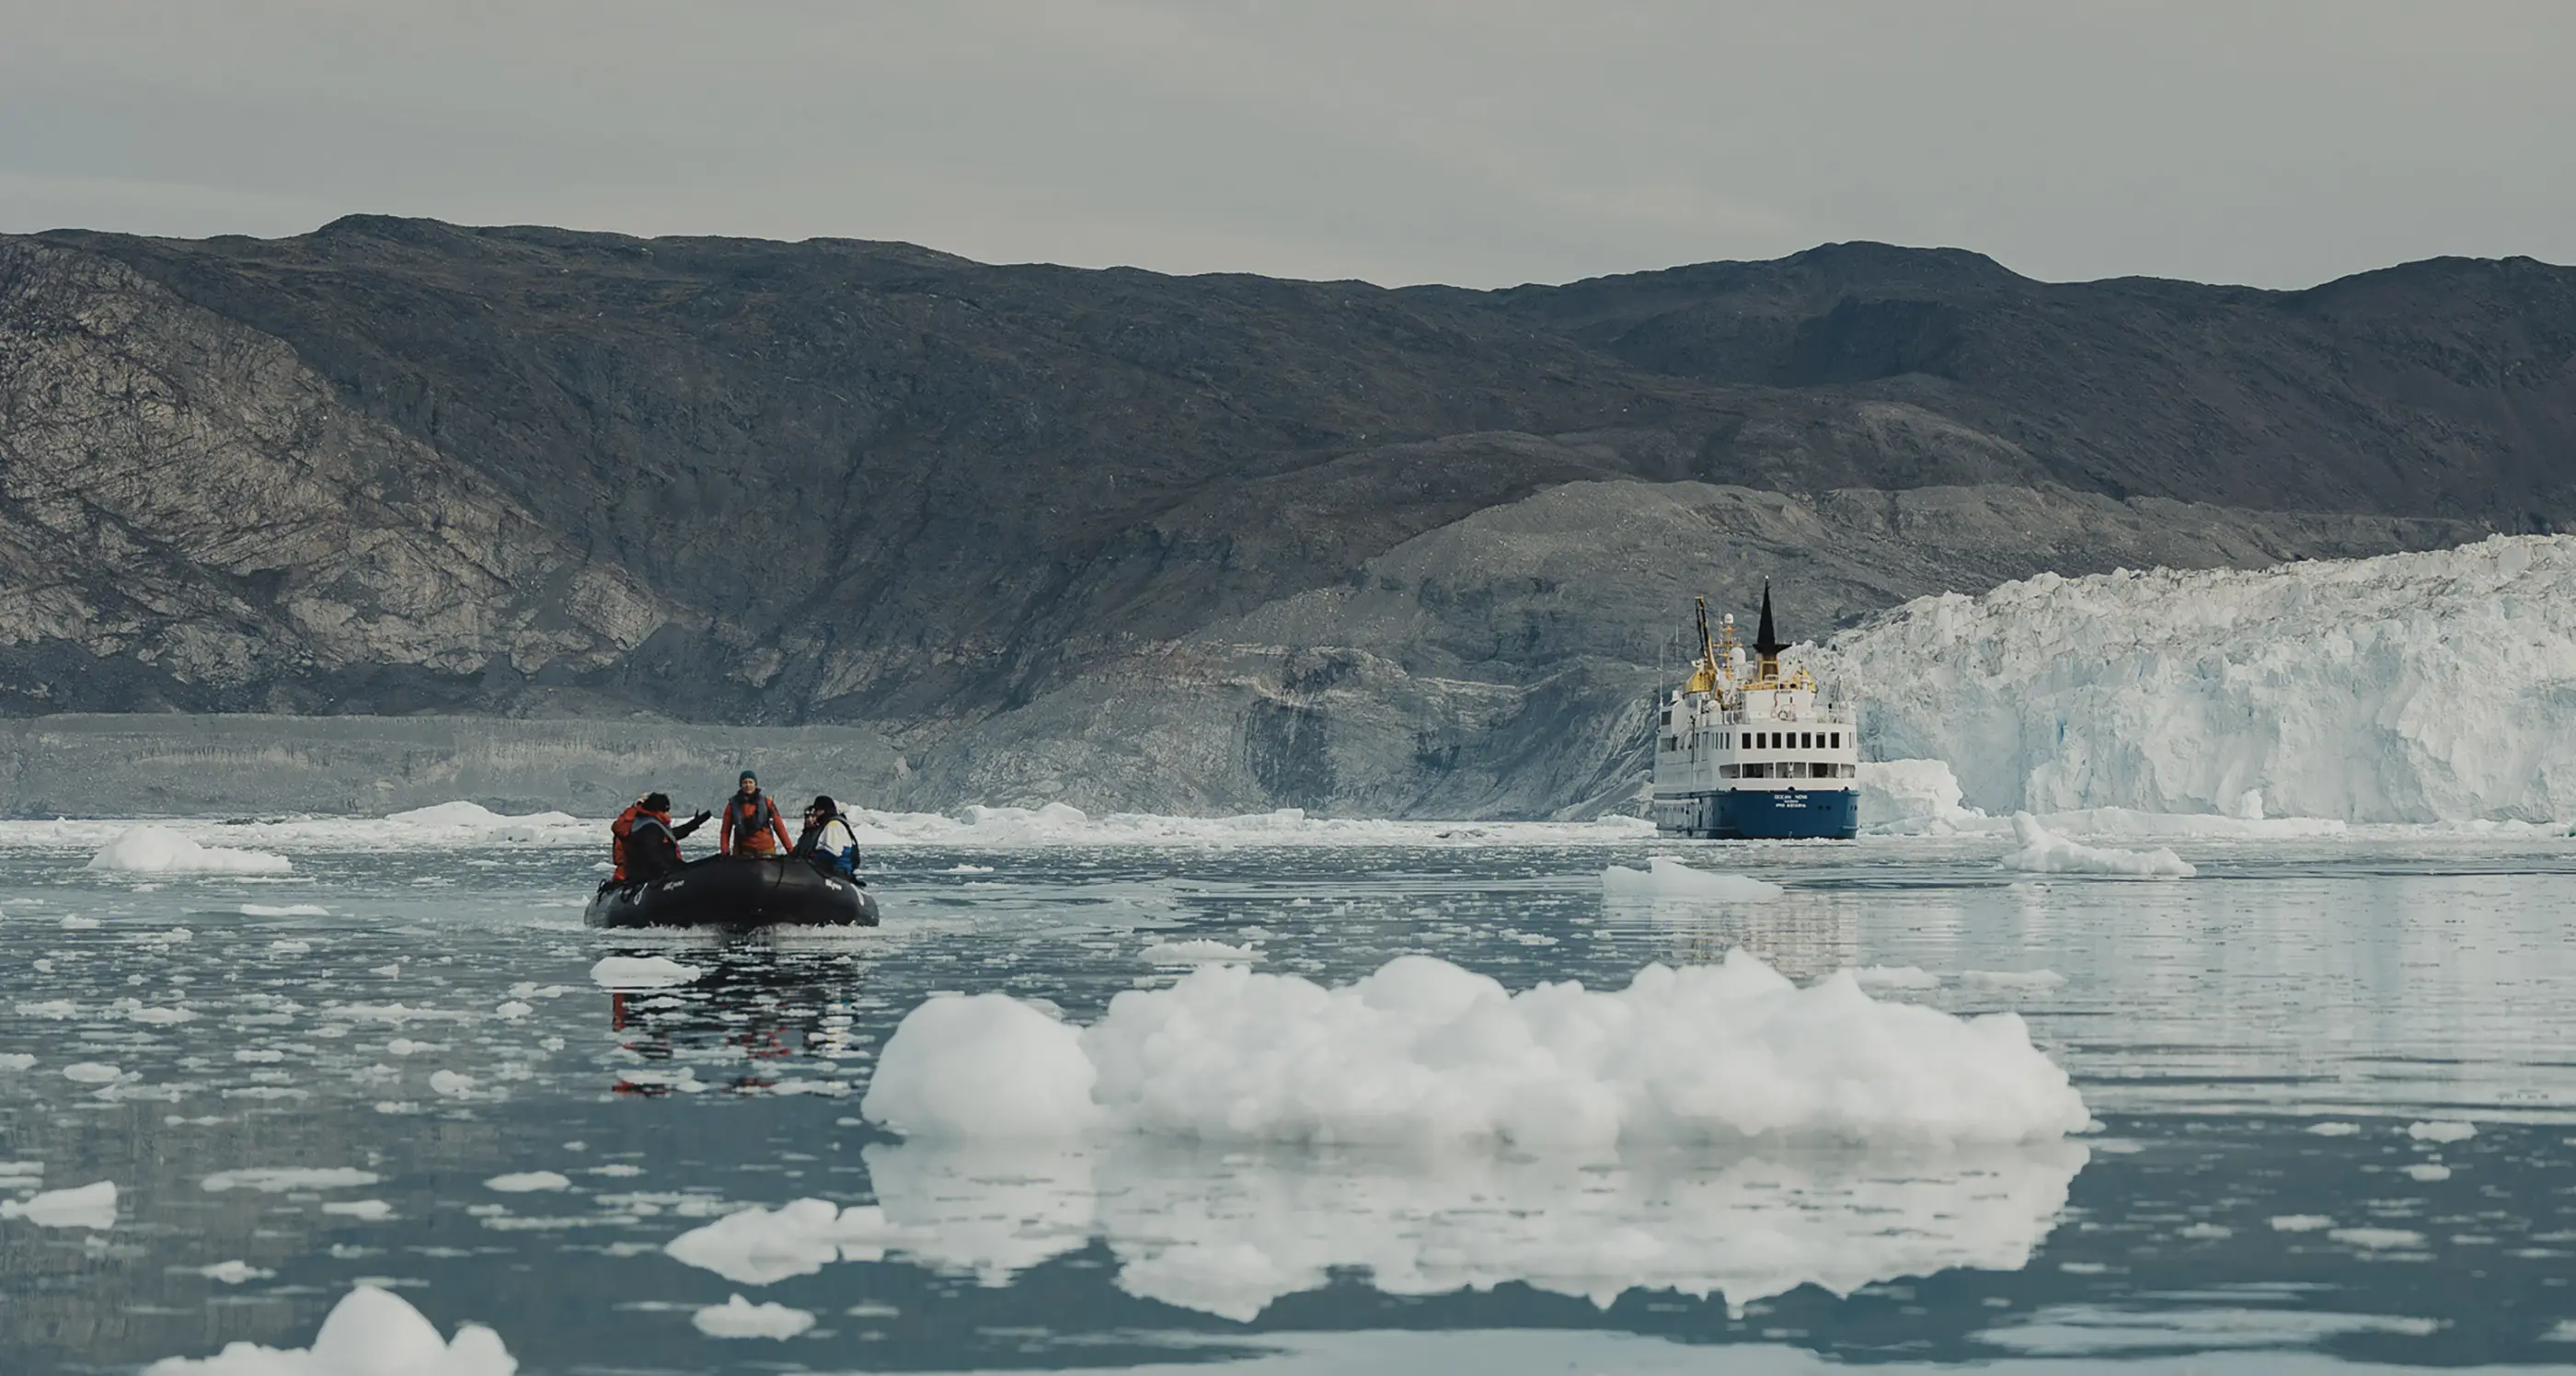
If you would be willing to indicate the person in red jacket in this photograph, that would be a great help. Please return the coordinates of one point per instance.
(657, 808)
(752, 825)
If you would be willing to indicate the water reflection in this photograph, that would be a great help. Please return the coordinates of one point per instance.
(1229, 1232)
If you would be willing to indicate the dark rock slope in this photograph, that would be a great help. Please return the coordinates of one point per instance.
(1126, 539)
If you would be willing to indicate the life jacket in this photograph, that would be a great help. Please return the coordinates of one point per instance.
(748, 823)
(617, 831)
(818, 844)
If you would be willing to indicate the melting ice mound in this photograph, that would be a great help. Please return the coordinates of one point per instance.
(2407, 688)
(159, 850)
(1422, 1052)
(2045, 852)
(370, 1332)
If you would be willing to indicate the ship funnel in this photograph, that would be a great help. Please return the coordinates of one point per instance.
(1766, 641)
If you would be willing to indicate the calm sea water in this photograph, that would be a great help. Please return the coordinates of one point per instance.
(2258, 1043)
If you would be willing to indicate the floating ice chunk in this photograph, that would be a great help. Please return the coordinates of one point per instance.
(2428, 1171)
(2377, 1239)
(523, 1182)
(77, 923)
(1912, 797)
(968, 869)
(138, 1011)
(364, 1210)
(234, 1272)
(641, 972)
(451, 1083)
(16, 1060)
(2334, 1129)
(57, 1009)
(370, 1332)
(1667, 878)
(86, 1206)
(2044, 852)
(2442, 1130)
(2013, 979)
(14, 1171)
(1895, 977)
(92, 1073)
(2300, 1223)
(1422, 1052)
(739, 1318)
(986, 1065)
(1197, 951)
(290, 948)
(512, 1011)
(799, 1238)
(284, 910)
(278, 1179)
(159, 850)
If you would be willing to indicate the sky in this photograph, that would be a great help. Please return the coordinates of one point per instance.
(1397, 141)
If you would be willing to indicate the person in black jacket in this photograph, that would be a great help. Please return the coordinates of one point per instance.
(652, 843)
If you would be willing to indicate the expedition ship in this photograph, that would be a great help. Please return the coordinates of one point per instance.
(1745, 750)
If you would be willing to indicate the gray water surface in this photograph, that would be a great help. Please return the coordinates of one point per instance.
(2256, 1042)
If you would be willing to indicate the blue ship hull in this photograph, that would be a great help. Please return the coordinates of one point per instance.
(1766, 814)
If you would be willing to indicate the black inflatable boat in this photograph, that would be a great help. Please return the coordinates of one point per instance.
(722, 891)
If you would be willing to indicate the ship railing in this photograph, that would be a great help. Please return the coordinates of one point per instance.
(1737, 716)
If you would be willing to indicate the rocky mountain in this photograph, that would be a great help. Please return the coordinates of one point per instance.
(1124, 539)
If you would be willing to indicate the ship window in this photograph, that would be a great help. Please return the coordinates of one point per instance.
(1757, 771)
(1837, 742)
(1803, 742)
(1728, 771)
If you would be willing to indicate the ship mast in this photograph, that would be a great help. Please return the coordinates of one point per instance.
(1766, 642)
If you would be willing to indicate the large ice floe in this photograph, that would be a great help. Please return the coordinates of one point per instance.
(370, 1332)
(160, 850)
(2045, 852)
(1423, 1052)
(1666, 879)
(2424, 687)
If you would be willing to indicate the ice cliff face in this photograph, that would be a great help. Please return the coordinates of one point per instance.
(2404, 688)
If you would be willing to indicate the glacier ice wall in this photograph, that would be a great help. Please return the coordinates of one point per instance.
(2405, 688)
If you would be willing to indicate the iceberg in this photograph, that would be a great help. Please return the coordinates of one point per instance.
(2429, 687)
(159, 850)
(1666, 879)
(370, 1332)
(2045, 852)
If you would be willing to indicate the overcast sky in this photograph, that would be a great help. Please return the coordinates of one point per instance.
(1482, 143)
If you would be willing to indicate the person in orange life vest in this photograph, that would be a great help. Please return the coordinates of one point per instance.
(751, 822)
(652, 813)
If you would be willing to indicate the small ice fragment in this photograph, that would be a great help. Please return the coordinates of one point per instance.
(278, 1179)
(20, 1170)
(1198, 951)
(523, 1182)
(87, 1206)
(739, 1318)
(2377, 1239)
(2334, 1129)
(449, 1083)
(2442, 1130)
(259, 1055)
(617, 1168)
(1895, 977)
(968, 869)
(2300, 1223)
(234, 1272)
(16, 1060)
(77, 923)
(370, 1332)
(284, 910)
(56, 1009)
(290, 948)
(91, 1073)
(1667, 878)
(365, 1210)
(512, 1011)
(2013, 979)
(2206, 1232)
(2045, 852)
(799, 1238)
(641, 972)
(159, 850)
(161, 1017)
(2429, 1171)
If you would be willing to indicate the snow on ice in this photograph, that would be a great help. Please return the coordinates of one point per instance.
(370, 1332)
(1424, 1052)
(2404, 688)
(2045, 852)
(159, 850)
(1666, 878)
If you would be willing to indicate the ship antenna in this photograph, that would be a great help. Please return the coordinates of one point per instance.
(1707, 653)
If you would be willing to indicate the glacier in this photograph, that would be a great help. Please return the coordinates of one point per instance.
(2430, 687)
